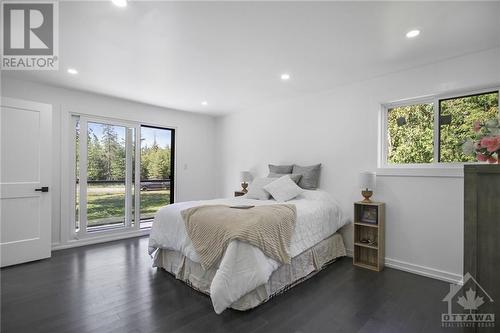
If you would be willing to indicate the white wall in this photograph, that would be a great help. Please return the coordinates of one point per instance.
(339, 128)
(194, 137)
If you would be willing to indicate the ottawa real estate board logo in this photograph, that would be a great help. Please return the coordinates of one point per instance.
(30, 35)
(469, 306)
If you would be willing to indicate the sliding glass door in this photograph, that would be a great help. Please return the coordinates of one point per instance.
(157, 169)
(124, 173)
(104, 175)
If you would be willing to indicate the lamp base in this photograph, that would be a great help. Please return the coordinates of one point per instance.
(367, 195)
(244, 186)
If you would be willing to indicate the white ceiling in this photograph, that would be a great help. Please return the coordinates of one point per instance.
(232, 54)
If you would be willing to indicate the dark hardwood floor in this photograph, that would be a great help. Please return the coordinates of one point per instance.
(111, 287)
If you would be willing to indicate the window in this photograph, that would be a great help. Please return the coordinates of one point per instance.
(458, 116)
(432, 130)
(410, 134)
(120, 180)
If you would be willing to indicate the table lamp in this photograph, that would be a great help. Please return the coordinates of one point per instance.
(367, 182)
(246, 177)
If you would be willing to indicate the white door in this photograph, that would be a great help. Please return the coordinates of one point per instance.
(25, 167)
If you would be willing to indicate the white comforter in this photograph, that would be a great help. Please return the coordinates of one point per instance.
(244, 267)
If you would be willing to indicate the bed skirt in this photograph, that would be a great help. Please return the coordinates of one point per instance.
(302, 267)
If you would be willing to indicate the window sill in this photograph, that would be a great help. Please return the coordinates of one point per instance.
(439, 171)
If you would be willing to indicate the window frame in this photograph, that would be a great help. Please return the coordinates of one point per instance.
(387, 168)
(84, 230)
(68, 230)
(172, 157)
(173, 170)
(440, 100)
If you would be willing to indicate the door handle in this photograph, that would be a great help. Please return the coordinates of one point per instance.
(42, 189)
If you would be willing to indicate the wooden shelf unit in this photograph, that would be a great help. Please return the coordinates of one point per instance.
(367, 255)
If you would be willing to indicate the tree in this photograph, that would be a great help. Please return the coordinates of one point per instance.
(410, 131)
(114, 154)
(106, 155)
(159, 167)
(96, 168)
(411, 128)
(464, 112)
(155, 162)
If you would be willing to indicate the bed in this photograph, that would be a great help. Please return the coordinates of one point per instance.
(245, 277)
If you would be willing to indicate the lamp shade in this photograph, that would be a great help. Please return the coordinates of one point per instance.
(246, 176)
(367, 180)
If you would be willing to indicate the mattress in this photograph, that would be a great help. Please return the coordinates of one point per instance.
(302, 267)
(244, 267)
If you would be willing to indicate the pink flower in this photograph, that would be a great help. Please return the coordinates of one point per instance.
(497, 147)
(491, 159)
(481, 157)
(477, 126)
(491, 143)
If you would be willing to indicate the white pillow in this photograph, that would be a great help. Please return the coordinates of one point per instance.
(256, 189)
(283, 189)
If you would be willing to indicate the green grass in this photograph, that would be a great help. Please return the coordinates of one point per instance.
(151, 201)
(106, 204)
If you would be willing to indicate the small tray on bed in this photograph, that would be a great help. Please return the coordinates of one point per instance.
(242, 206)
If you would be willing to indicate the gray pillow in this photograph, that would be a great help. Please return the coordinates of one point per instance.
(310, 176)
(280, 168)
(256, 189)
(283, 189)
(295, 177)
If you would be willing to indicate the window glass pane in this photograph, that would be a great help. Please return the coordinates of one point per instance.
(410, 134)
(457, 118)
(156, 171)
(105, 175)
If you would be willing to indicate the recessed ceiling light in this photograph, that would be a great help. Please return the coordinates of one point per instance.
(285, 76)
(119, 3)
(412, 33)
(204, 103)
(72, 71)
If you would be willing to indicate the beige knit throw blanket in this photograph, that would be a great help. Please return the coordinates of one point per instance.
(268, 227)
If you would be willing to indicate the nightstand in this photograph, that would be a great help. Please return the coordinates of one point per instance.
(239, 193)
(369, 235)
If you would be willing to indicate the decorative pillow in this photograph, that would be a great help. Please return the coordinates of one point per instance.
(284, 169)
(283, 189)
(310, 176)
(256, 189)
(295, 177)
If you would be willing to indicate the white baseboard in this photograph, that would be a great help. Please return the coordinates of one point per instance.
(99, 239)
(424, 271)
(392, 263)
(419, 270)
